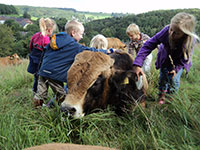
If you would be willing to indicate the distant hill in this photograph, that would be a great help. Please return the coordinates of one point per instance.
(68, 13)
(149, 23)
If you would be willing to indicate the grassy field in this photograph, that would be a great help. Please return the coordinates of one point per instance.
(174, 126)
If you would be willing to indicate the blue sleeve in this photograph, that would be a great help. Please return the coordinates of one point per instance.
(82, 48)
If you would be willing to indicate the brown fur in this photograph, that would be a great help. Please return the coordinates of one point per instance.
(96, 80)
(10, 60)
(116, 44)
(84, 72)
(67, 146)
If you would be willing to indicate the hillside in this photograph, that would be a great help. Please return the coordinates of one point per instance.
(68, 13)
(149, 23)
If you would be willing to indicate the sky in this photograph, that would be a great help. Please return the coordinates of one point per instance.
(109, 6)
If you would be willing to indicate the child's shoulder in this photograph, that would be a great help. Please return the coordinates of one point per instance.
(37, 34)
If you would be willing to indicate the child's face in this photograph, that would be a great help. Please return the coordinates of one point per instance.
(175, 33)
(133, 36)
(78, 35)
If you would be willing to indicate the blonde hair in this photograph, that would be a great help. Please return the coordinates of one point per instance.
(133, 28)
(46, 24)
(186, 23)
(99, 41)
(73, 25)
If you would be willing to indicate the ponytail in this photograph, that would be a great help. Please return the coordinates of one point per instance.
(46, 24)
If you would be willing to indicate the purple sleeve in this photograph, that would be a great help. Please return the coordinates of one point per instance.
(150, 45)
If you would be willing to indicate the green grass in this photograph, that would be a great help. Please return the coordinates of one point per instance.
(173, 126)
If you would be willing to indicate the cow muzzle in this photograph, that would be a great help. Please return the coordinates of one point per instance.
(67, 110)
(71, 111)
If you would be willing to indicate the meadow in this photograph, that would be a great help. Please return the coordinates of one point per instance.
(172, 126)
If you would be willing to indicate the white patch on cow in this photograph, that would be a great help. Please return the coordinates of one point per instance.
(79, 111)
(78, 107)
(139, 83)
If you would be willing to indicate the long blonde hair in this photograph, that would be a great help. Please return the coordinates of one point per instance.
(186, 22)
(99, 41)
(46, 24)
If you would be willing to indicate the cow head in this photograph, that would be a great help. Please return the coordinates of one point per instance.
(97, 83)
(15, 59)
(10, 60)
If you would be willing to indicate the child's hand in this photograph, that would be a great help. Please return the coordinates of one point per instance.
(173, 73)
(111, 50)
(138, 71)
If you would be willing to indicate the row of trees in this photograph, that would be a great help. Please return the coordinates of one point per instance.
(150, 23)
(13, 38)
(7, 9)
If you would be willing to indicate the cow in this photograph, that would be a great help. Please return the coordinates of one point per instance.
(96, 80)
(116, 44)
(10, 60)
(67, 146)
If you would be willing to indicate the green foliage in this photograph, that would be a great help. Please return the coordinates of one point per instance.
(61, 23)
(66, 13)
(14, 25)
(32, 29)
(26, 15)
(150, 23)
(7, 9)
(6, 40)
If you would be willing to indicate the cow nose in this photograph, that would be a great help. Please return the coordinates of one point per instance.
(68, 110)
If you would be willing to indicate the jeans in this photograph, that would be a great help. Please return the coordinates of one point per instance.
(166, 83)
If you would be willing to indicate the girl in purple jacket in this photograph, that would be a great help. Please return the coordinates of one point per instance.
(176, 41)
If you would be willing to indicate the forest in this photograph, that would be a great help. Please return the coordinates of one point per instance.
(15, 39)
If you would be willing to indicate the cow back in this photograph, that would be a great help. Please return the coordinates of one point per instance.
(116, 44)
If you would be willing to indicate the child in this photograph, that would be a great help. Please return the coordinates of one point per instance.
(176, 41)
(58, 57)
(99, 41)
(137, 40)
(37, 44)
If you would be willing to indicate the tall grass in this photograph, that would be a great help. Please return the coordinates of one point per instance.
(174, 126)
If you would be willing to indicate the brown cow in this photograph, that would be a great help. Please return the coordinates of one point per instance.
(10, 60)
(67, 146)
(95, 82)
(116, 44)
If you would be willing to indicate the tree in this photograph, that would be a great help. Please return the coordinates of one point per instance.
(26, 15)
(32, 29)
(61, 23)
(6, 40)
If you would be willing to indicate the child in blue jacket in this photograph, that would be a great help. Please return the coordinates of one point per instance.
(58, 58)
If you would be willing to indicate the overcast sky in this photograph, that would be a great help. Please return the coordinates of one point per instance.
(109, 6)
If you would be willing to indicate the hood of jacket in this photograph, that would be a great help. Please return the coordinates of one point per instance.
(60, 40)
